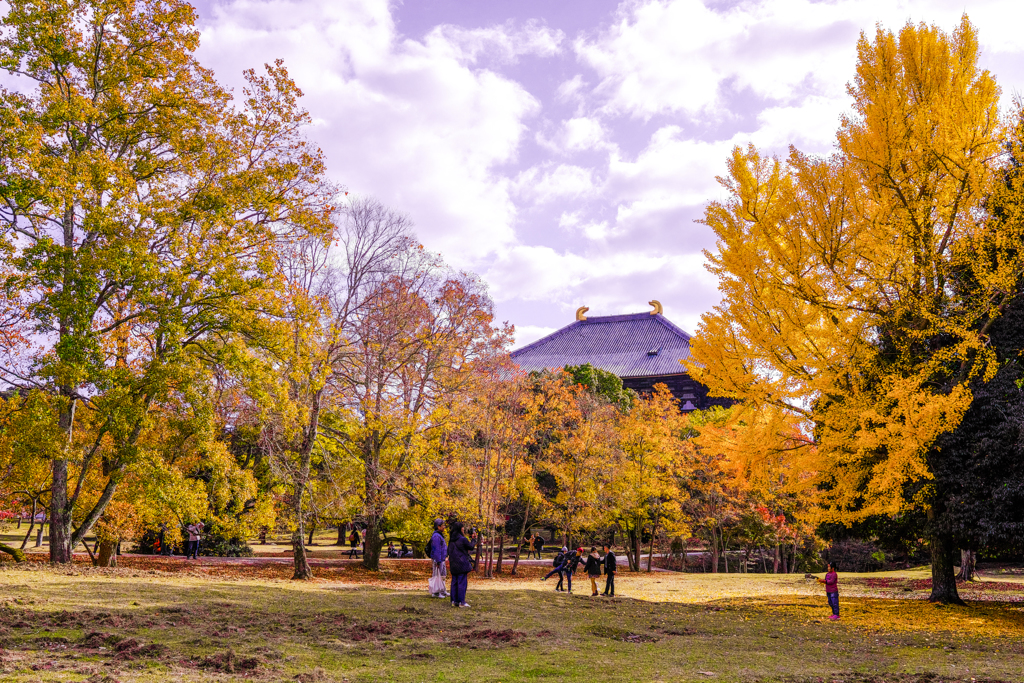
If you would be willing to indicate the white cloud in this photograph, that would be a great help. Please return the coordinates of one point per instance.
(527, 334)
(680, 56)
(413, 123)
(578, 134)
(504, 43)
(563, 182)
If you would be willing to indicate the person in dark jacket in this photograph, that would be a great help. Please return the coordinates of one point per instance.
(609, 572)
(593, 569)
(353, 540)
(460, 561)
(572, 562)
(559, 568)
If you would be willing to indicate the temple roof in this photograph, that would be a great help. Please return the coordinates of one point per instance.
(633, 345)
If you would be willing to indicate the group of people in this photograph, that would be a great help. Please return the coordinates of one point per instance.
(566, 563)
(394, 552)
(457, 549)
(533, 545)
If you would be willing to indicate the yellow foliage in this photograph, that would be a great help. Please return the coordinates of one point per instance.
(839, 275)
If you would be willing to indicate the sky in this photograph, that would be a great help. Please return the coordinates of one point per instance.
(563, 150)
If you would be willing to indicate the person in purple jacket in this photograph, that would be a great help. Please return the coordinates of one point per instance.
(831, 582)
(437, 550)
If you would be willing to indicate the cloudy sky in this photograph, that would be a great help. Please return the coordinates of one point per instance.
(563, 148)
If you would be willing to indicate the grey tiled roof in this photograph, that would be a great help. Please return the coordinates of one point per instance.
(621, 344)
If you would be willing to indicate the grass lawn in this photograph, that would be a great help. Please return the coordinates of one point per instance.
(169, 621)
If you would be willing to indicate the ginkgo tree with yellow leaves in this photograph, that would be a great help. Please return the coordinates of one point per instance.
(839, 276)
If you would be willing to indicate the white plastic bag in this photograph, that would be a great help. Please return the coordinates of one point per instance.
(436, 583)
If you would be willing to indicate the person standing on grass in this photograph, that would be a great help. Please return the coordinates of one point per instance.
(353, 540)
(460, 561)
(529, 548)
(538, 544)
(609, 572)
(831, 582)
(195, 535)
(572, 562)
(437, 550)
(593, 569)
(559, 568)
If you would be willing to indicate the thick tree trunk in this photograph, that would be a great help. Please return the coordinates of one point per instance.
(943, 574)
(302, 568)
(372, 544)
(107, 554)
(60, 509)
(39, 534)
(60, 515)
(302, 572)
(341, 535)
(501, 552)
(312, 530)
(16, 553)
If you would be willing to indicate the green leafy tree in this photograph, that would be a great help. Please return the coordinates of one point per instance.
(140, 212)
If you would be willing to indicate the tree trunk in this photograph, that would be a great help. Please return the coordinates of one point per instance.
(633, 543)
(301, 562)
(519, 538)
(60, 510)
(714, 552)
(312, 530)
(943, 575)
(968, 559)
(746, 560)
(371, 542)
(764, 561)
(16, 553)
(107, 554)
(792, 567)
(650, 551)
(775, 563)
(31, 525)
(39, 534)
(501, 551)
(303, 572)
(341, 535)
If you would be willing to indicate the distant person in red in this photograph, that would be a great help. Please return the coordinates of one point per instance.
(831, 582)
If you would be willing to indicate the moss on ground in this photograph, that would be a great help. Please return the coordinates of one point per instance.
(102, 626)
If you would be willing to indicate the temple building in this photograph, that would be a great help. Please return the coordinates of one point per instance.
(642, 349)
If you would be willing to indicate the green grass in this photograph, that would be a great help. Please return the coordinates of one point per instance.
(666, 627)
